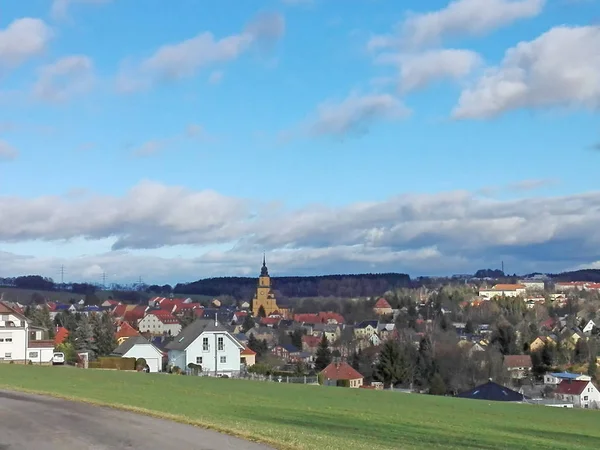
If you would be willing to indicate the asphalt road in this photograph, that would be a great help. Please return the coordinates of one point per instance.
(35, 422)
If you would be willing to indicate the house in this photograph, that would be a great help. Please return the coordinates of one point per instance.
(285, 351)
(366, 329)
(139, 347)
(20, 341)
(125, 331)
(209, 344)
(583, 394)
(503, 290)
(569, 286)
(555, 378)
(160, 322)
(245, 305)
(533, 285)
(518, 366)
(589, 327)
(61, 335)
(332, 332)
(310, 343)
(494, 392)
(321, 317)
(248, 357)
(382, 307)
(340, 374)
(109, 303)
(540, 342)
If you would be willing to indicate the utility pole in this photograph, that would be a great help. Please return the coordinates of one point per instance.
(104, 279)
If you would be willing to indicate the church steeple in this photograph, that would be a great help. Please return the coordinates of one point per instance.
(264, 272)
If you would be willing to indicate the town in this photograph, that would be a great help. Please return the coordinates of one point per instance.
(529, 341)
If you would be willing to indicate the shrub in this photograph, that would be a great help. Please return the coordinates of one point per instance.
(140, 364)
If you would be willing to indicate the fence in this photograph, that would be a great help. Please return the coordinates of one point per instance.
(279, 379)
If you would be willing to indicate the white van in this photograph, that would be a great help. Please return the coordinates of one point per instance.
(58, 358)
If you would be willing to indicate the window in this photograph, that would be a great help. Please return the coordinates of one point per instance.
(8, 340)
(205, 344)
(198, 359)
(585, 398)
(1, 339)
(5, 318)
(220, 343)
(8, 355)
(33, 354)
(223, 359)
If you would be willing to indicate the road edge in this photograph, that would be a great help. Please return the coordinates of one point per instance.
(152, 413)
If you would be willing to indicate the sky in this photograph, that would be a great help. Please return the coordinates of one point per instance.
(182, 140)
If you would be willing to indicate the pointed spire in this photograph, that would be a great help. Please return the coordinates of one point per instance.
(264, 272)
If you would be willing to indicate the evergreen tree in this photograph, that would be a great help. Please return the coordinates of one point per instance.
(297, 339)
(437, 386)
(104, 334)
(83, 337)
(248, 323)
(390, 368)
(593, 368)
(323, 358)
(469, 327)
(261, 312)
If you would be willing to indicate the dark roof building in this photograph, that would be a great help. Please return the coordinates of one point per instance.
(494, 392)
(190, 333)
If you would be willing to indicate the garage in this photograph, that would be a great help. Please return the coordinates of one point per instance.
(139, 347)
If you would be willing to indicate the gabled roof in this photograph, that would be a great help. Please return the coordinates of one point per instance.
(511, 361)
(126, 331)
(164, 316)
(5, 309)
(571, 387)
(247, 352)
(311, 341)
(129, 343)
(341, 371)
(366, 323)
(190, 333)
(382, 303)
(492, 392)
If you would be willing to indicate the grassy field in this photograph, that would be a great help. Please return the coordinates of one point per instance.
(315, 417)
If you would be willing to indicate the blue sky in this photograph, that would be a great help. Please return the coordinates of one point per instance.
(440, 137)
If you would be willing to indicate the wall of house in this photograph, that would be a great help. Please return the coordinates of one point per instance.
(177, 358)
(230, 352)
(150, 324)
(174, 328)
(150, 353)
(13, 344)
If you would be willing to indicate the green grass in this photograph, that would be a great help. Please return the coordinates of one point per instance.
(315, 417)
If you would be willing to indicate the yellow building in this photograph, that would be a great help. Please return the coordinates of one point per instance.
(264, 296)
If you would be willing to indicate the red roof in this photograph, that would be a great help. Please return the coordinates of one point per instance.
(165, 316)
(119, 310)
(248, 352)
(51, 306)
(5, 309)
(311, 341)
(199, 312)
(135, 314)
(61, 334)
(512, 361)
(322, 317)
(571, 387)
(126, 331)
(270, 321)
(382, 303)
(341, 371)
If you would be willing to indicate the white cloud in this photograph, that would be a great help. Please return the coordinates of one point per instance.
(23, 39)
(7, 152)
(351, 116)
(184, 59)
(459, 18)
(432, 233)
(419, 70)
(65, 78)
(561, 68)
(60, 8)
(150, 148)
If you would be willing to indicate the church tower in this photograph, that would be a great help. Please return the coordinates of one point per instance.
(264, 296)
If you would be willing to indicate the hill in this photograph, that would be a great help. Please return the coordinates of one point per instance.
(300, 417)
(345, 286)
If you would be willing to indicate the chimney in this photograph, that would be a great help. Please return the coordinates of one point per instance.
(216, 322)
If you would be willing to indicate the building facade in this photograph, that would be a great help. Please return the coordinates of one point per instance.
(264, 297)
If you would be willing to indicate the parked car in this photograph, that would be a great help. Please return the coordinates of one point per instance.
(58, 358)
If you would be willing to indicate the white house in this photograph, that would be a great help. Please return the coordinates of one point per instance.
(503, 290)
(589, 327)
(160, 322)
(583, 394)
(208, 344)
(533, 285)
(139, 347)
(20, 341)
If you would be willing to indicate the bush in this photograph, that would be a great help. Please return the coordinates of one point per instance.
(321, 379)
(113, 362)
(343, 383)
(140, 364)
(176, 370)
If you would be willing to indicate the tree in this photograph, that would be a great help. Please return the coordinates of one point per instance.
(104, 334)
(469, 327)
(505, 338)
(83, 337)
(390, 368)
(297, 339)
(248, 323)
(261, 311)
(593, 368)
(437, 385)
(323, 358)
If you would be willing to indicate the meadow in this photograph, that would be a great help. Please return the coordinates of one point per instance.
(315, 417)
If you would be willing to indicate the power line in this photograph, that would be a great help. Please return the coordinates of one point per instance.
(62, 274)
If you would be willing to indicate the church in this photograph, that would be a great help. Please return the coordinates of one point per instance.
(264, 296)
